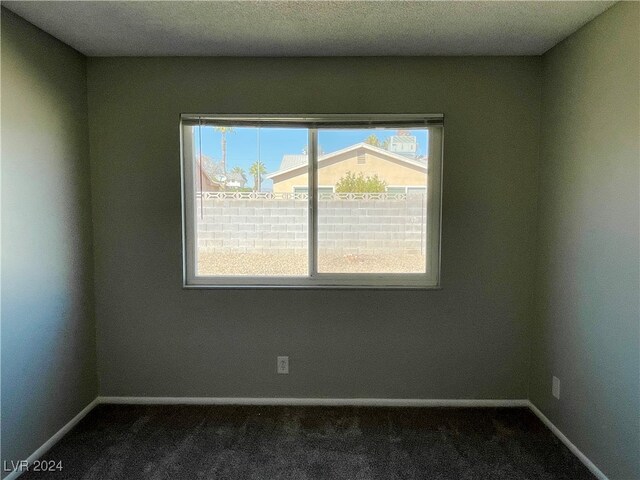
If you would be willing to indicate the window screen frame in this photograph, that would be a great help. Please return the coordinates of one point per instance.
(430, 279)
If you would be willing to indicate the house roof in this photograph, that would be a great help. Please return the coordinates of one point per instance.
(235, 177)
(293, 162)
(211, 169)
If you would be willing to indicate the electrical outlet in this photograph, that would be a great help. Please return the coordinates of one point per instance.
(555, 387)
(283, 365)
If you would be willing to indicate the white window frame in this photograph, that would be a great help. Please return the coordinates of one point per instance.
(332, 187)
(428, 280)
(407, 187)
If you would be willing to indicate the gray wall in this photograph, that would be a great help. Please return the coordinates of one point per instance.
(48, 329)
(468, 340)
(588, 317)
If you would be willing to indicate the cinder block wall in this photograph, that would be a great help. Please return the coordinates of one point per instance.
(344, 226)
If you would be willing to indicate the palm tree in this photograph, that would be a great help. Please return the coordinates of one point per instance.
(223, 143)
(372, 140)
(239, 172)
(385, 143)
(257, 170)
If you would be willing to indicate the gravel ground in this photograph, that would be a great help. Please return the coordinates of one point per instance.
(296, 264)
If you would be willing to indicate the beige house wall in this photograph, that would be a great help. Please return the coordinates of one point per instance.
(394, 172)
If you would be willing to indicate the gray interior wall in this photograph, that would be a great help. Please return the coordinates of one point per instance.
(468, 340)
(48, 328)
(588, 316)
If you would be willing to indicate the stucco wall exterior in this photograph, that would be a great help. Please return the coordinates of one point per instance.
(393, 172)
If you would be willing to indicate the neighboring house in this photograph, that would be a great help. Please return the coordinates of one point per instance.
(402, 172)
(235, 180)
(211, 178)
(209, 175)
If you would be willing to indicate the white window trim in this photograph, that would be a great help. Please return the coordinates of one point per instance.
(332, 187)
(428, 280)
(407, 187)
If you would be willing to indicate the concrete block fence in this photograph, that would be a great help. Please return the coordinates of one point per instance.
(280, 225)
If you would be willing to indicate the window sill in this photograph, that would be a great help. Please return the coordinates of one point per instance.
(319, 285)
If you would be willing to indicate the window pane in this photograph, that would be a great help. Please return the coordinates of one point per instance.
(376, 219)
(248, 219)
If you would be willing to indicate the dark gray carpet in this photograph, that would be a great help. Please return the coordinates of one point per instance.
(242, 442)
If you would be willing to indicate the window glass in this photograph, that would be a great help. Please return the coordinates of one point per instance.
(365, 227)
(241, 227)
(311, 202)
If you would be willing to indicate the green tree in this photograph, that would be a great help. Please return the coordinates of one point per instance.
(257, 170)
(352, 183)
(240, 171)
(385, 143)
(372, 140)
(223, 143)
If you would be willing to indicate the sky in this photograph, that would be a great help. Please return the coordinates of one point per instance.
(242, 144)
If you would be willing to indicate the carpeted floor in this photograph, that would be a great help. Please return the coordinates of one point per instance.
(268, 443)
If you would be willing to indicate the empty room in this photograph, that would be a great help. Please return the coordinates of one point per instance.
(308, 240)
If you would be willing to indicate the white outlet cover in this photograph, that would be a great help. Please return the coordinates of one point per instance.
(555, 387)
(283, 365)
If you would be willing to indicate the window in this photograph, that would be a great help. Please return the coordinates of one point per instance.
(409, 189)
(288, 201)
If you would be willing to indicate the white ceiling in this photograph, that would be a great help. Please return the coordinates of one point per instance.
(309, 28)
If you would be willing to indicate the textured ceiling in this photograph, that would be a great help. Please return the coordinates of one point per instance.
(309, 28)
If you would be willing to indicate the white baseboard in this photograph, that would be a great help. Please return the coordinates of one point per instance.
(355, 402)
(46, 446)
(575, 450)
(333, 402)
